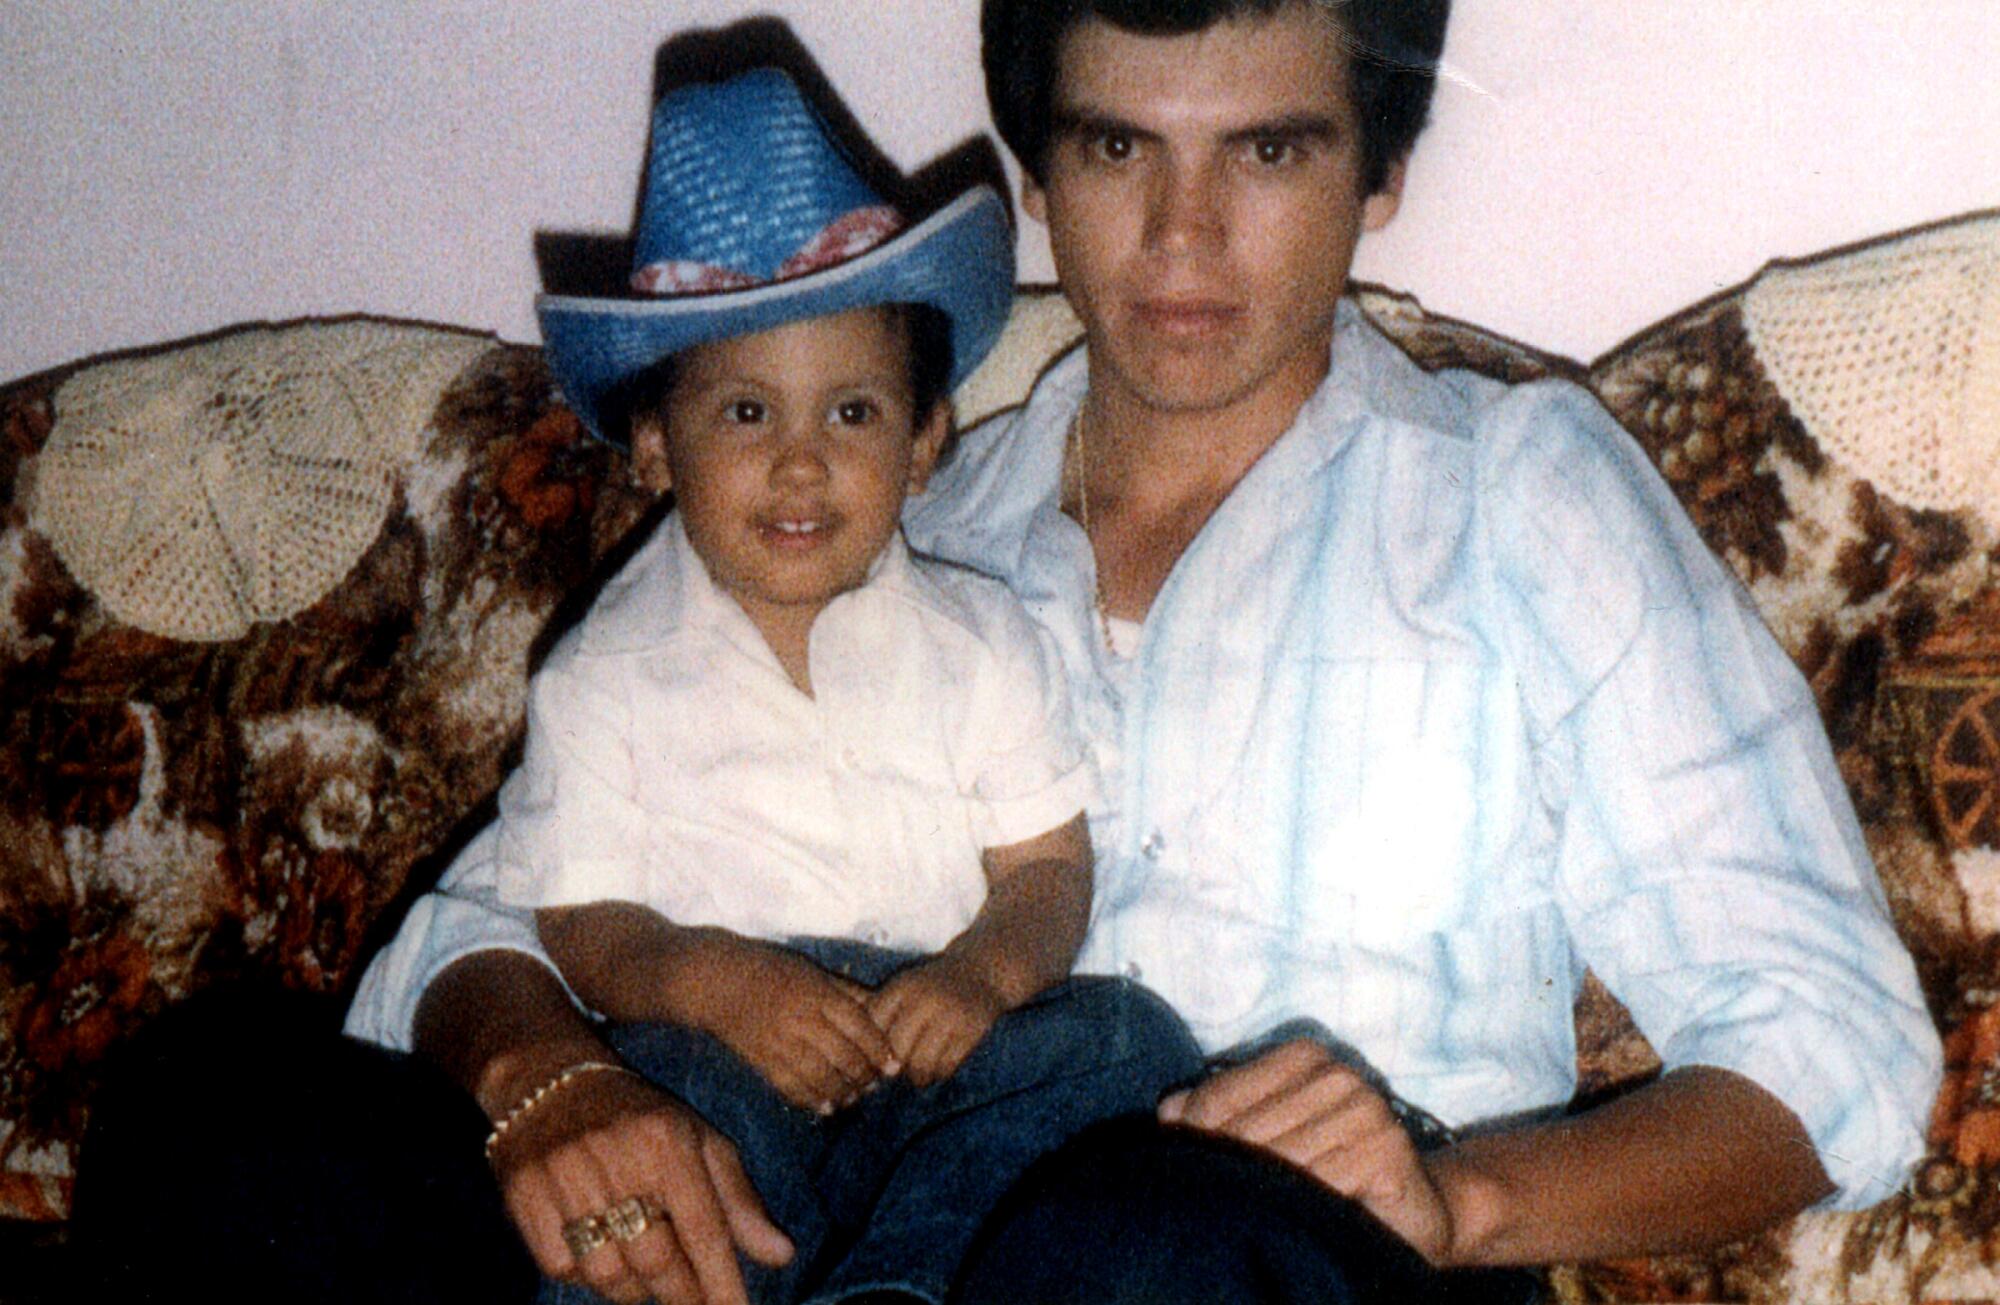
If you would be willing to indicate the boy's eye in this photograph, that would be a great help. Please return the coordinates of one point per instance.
(745, 412)
(855, 412)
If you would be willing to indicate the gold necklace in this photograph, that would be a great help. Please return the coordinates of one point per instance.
(1080, 460)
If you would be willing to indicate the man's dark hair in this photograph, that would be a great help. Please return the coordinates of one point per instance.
(927, 352)
(1393, 45)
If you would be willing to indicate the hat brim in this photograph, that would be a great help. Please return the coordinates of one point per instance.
(960, 260)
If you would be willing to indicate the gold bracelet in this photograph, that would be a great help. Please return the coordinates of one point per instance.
(543, 1093)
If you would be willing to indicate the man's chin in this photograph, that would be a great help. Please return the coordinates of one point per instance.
(1187, 385)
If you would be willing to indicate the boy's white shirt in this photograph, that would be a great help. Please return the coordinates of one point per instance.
(672, 762)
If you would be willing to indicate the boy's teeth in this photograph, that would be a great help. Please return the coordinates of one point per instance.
(798, 527)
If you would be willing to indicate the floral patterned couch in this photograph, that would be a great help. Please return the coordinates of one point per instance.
(181, 813)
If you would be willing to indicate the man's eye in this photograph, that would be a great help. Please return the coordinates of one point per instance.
(1114, 147)
(745, 412)
(1273, 152)
(855, 412)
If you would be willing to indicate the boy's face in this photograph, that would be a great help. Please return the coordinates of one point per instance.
(1203, 196)
(789, 453)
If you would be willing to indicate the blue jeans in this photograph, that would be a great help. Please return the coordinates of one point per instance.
(889, 1193)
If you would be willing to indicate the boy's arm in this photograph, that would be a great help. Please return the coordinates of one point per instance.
(1023, 940)
(806, 1031)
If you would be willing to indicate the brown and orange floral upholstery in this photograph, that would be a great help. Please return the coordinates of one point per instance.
(175, 815)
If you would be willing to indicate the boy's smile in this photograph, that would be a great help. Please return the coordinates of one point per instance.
(1203, 194)
(789, 453)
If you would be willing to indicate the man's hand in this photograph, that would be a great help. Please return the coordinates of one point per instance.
(806, 1031)
(934, 1014)
(1300, 1104)
(604, 1138)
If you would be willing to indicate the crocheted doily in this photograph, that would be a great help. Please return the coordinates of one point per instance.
(201, 490)
(1890, 357)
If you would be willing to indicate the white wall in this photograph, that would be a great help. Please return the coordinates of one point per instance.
(167, 168)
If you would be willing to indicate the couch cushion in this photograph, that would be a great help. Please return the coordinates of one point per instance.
(176, 815)
(1892, 610)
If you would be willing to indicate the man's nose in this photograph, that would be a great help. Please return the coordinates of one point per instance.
(1184, 209)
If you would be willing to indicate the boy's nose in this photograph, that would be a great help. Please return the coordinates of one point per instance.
(801, 458)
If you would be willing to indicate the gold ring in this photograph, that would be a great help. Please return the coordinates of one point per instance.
(629, 1217)
(585, 1235)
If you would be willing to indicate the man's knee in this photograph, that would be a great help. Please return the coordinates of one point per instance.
(1132, 1211)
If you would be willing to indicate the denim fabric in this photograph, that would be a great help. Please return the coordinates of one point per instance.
(889, 1193)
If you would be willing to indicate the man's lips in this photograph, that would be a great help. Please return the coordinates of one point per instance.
(1186, 317)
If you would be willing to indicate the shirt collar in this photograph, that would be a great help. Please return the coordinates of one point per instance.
(666, 592)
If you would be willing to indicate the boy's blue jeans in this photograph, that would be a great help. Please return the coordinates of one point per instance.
(889, 1193)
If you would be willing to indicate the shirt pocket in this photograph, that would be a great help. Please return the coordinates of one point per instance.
(1381, 824)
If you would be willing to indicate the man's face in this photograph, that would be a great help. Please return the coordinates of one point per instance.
(1203, 198)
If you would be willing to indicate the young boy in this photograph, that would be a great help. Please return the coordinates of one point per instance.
(801, 814)
(679, 750)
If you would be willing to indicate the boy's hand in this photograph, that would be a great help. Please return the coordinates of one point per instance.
(806, 1031)
(935, 1013)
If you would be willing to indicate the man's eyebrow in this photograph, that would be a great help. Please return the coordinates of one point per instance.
(1322, 127)
(1089, 122)
(1292, 126)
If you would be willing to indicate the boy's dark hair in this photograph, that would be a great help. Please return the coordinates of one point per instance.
(1394, 48)
(926, 335)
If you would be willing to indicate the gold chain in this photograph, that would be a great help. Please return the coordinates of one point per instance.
(1080, 459)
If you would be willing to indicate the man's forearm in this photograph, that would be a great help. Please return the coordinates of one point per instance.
(631, 963)
(500, 1023)
(1699, 1158)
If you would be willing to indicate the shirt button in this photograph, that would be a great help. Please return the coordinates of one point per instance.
(1155, 843)
(850, 758)
(1131, 970)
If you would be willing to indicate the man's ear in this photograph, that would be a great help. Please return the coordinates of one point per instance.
(1034, 200)
(1379, 207)
(650, 466)
(931, 436)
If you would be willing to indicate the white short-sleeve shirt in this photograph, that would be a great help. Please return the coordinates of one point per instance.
(672, 762)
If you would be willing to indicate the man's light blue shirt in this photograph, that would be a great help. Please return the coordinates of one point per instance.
(1447, 702)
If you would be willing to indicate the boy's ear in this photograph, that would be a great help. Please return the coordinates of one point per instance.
(650, 466)
(930, 445)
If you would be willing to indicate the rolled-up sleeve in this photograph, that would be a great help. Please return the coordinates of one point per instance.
(1711, 869)
(463, 915)
(566, 822)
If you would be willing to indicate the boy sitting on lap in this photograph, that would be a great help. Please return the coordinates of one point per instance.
(800, 813)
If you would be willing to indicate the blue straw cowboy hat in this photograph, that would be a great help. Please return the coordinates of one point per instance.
(752, 217)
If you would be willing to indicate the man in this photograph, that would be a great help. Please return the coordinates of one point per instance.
(1422, 696)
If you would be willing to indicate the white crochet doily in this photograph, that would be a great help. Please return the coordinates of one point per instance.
(1890, 357)
(198, 491)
